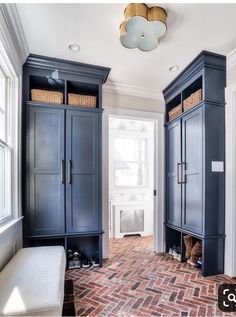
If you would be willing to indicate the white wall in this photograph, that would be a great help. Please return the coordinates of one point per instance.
(10, 242)
(122, 101)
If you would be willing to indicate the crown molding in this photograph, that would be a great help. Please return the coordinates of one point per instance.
(231, 59)
(119, 88)
(15, 28)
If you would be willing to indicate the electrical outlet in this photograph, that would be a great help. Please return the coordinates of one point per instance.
(217, 166)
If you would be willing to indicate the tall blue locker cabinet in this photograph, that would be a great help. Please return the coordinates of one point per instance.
(195, 144)
(62, 152)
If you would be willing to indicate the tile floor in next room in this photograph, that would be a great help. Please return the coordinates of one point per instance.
(135, 281)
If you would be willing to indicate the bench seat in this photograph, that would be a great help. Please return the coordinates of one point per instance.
(32, 283)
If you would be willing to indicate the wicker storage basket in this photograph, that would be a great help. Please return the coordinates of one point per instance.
(192, 100)
(46, 96)
(175, 112)
(82, 100)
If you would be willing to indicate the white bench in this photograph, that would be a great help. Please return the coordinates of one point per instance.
(32, 283)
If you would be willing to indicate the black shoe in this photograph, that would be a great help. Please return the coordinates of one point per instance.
(85, 262)
(77, 260)
(94, 260)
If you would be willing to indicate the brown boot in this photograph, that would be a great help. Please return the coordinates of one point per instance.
(188, 241)
(195, 253)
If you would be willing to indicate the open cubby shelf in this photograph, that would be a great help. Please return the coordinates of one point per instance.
(176, 238)
(88, 244)
(183, 94)
(64, 86)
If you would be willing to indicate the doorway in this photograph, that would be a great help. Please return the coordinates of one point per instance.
(133, 183)
(131, 176)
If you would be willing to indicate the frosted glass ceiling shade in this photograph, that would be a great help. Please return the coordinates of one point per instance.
(143, 27)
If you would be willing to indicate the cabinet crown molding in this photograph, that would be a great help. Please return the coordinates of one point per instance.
(204, 59)
(45, 62)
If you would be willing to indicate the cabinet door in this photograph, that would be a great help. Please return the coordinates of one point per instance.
(192, 154)
(173, 148)
(82, 164)
(46, 191)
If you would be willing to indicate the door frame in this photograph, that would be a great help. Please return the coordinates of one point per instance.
(230, 180)
(159, 151)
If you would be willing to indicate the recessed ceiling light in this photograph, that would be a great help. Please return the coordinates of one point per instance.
(173, 68)
(73, 47)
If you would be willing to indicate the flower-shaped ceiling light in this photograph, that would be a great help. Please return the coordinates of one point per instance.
(143, 26)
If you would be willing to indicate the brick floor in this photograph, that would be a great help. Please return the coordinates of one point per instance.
(137, 282)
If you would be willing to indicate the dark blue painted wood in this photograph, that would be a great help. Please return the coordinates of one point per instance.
(45, 188)
(204, 64)
(203, 141)
(82, 205)
(173, 216)
(85, 191)
(214, 127)
(192, 156)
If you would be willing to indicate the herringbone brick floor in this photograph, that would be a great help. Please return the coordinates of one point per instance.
(137, 282)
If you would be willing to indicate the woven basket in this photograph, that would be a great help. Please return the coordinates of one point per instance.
(46, 96)
(175, 112)
(82, 100)
(192, 100)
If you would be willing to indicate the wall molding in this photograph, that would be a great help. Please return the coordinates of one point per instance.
(230, 181)
(15, 29)
(231, 59)
(119, 88)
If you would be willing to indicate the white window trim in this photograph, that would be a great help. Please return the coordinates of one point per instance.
(10, 57)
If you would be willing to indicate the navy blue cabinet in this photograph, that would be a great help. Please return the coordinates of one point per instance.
(46, 192)
(195, 155)
(62, 152)
(192, 169)
(174, 190)
(82, 163)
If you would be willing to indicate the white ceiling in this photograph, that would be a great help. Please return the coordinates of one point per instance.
(49, 28)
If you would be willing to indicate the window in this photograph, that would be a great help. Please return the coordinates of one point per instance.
(130, 162)
(5, 143)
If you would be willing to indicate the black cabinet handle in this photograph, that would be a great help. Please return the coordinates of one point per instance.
(178, 173)
(62, 172)
(69, 166)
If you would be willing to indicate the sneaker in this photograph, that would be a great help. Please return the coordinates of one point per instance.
(85, 262)
(94, 260)
(177, 254)
(199, 261)
(77, 260)
(70, 257)
(172, 250)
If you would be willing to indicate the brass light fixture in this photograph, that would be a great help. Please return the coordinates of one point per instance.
(143, 26)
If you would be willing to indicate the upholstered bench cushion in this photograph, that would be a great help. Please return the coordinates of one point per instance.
(32, 283)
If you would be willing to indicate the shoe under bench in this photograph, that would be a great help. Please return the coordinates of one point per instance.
(212, 248)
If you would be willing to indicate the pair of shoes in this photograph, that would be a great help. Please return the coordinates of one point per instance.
(193, 250)
(175, 252)
(94, 261)
(74, 259)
